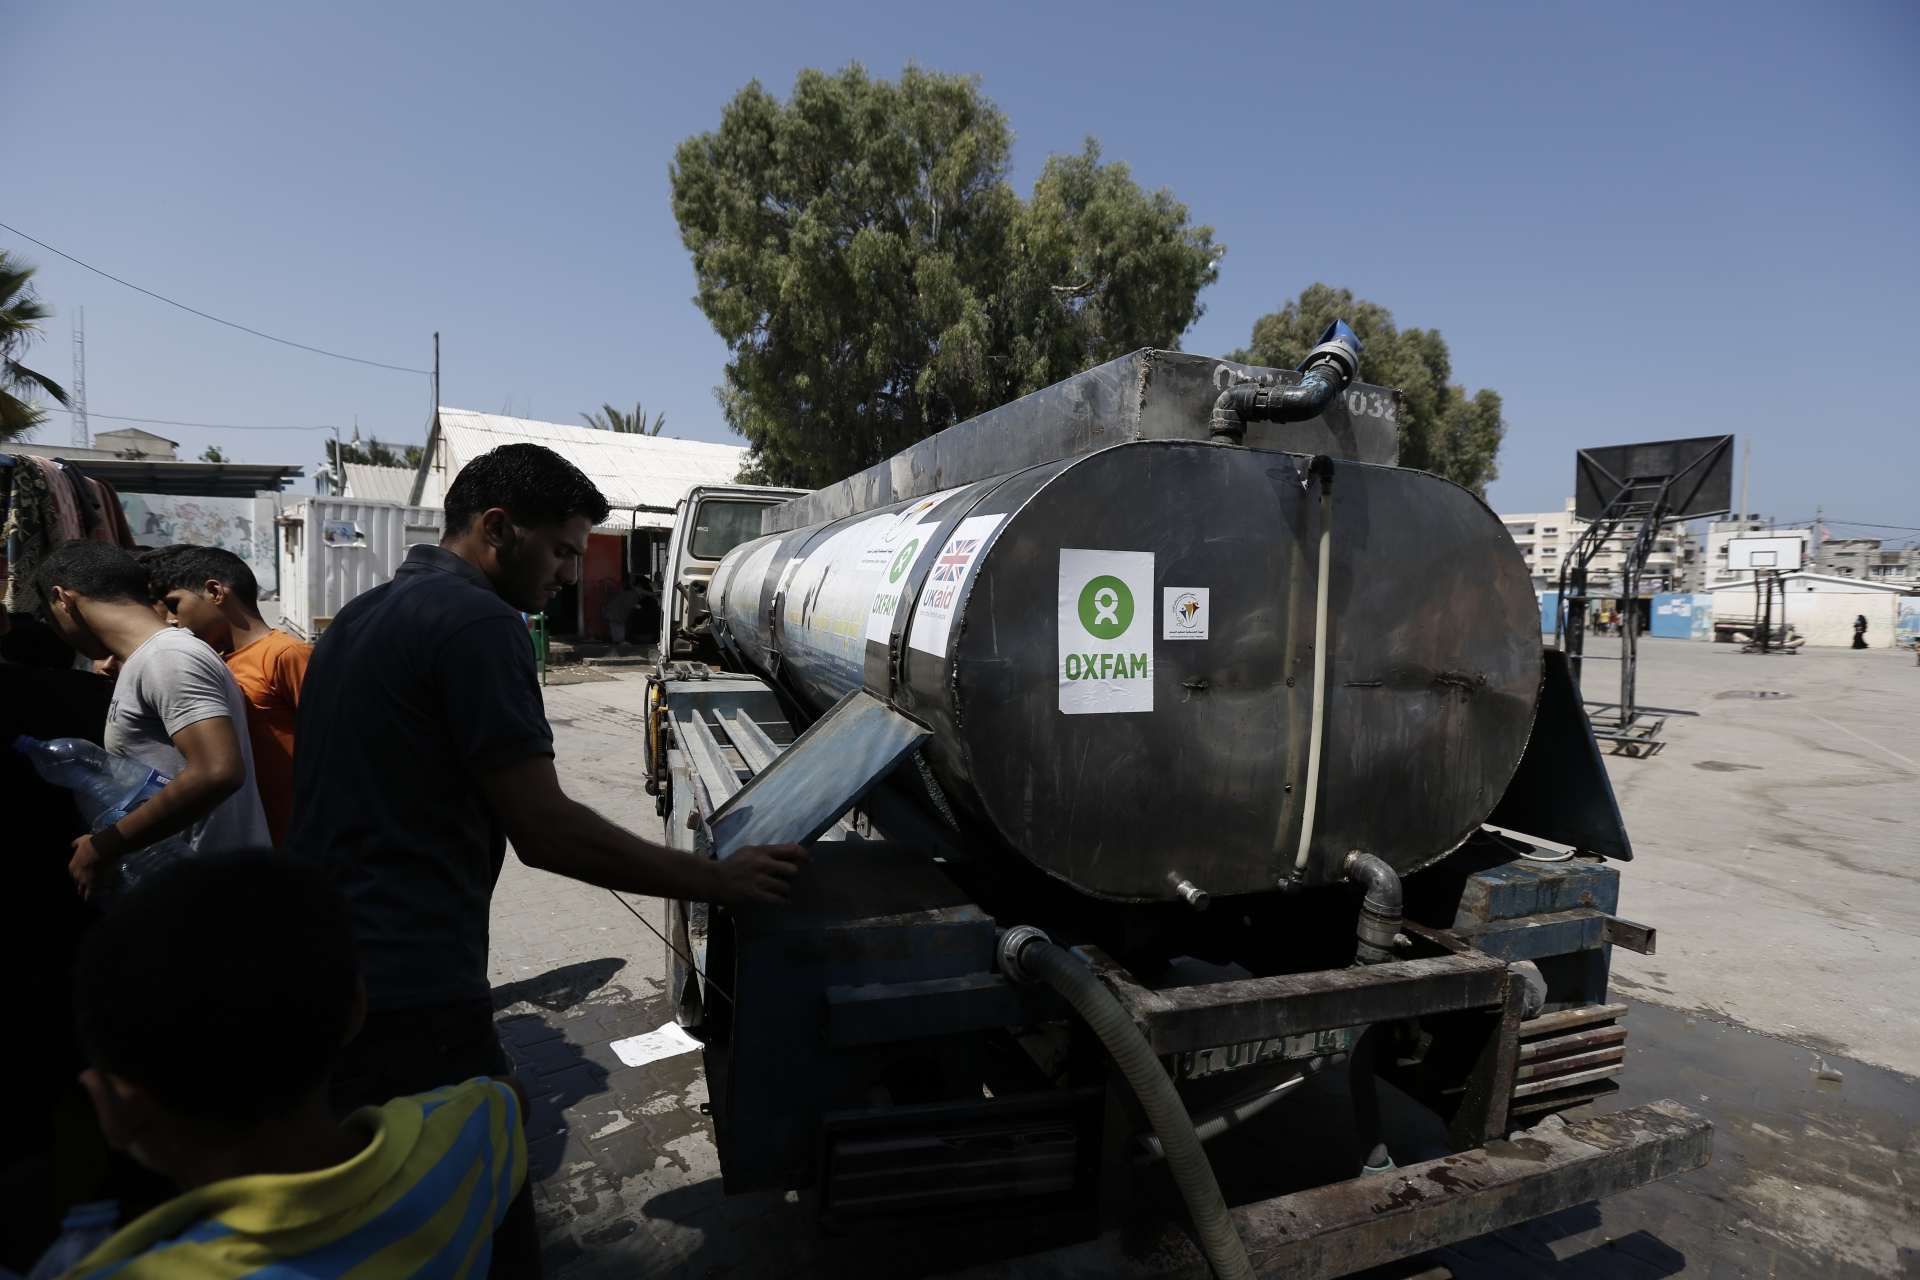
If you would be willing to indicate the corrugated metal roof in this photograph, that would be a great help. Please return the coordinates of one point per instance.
(635, 472)
(188, 479)
(379, 484)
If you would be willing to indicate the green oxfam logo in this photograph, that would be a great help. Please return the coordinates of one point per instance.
(1106, 607)
(901, 561)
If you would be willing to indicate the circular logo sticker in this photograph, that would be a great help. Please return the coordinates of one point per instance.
(1106, 607)
(901, 561)
(1186, 611)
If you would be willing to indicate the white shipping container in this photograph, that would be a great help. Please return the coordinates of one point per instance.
(332, 549)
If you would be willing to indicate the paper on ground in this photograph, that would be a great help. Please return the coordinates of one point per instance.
(654, 1045)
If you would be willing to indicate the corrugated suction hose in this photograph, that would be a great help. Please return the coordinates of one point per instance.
(1028, 956)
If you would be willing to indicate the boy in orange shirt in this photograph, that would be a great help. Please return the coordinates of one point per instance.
(211, 592)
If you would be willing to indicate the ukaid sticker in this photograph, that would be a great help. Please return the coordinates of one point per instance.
(946, 581)
(902, 550)
(1106, 631)
(1184, 613)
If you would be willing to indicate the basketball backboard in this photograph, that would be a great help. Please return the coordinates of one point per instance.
(1779, 551)
(1697, 473)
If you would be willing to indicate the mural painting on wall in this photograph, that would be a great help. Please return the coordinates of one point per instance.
(158, 520)
(1907, 628)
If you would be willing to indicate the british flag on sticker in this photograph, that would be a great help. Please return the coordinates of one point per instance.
(940, 598)
(953, 561)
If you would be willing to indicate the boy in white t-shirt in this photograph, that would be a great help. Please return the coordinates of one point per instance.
(175, 708)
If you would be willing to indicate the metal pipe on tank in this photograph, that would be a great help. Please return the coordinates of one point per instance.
(1379, 929)
(1327, 371)
(1380, 912)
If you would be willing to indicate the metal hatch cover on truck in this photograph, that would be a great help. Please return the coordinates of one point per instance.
(811, 783)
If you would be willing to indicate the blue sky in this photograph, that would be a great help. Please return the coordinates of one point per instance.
(1633, 221)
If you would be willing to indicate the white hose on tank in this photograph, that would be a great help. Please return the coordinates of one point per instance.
(1323, 466)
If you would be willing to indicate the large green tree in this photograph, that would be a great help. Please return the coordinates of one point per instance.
(20, 315)
(877, 278)
(1442, 428)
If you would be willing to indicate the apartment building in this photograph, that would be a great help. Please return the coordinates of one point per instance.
(1547, 538)
(1867, 559)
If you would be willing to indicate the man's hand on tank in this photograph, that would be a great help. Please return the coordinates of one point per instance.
(759, 873)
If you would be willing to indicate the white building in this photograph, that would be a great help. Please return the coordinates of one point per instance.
(1867, 558)
(379, 484)
(642, 477)
(1818, 606)
(128, 443)
(1546, 538)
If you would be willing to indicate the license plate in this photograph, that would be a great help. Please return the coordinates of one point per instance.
(1236, 1057)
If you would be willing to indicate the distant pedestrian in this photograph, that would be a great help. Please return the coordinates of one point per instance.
(424, 748)
(211, 592)
(618, 608)
(1860, 632)
(211, 1005)
(175, 708)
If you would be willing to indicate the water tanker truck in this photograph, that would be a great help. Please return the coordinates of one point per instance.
(1166, 752)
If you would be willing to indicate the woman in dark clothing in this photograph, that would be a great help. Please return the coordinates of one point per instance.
(1860, 632)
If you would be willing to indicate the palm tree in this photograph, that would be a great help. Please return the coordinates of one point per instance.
(635, 423)
(20, 316)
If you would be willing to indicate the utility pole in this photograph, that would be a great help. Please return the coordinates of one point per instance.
(77, 397)
(1819, 517)
(1746, 468)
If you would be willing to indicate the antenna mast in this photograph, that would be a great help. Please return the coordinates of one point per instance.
(77, 396)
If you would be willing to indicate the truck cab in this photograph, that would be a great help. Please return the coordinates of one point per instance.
(709, 522)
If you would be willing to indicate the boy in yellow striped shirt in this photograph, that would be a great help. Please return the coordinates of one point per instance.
(211, 1003)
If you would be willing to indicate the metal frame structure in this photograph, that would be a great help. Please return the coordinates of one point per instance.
(1768, 587)
(1644, 503)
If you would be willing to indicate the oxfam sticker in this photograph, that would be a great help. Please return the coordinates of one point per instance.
(902, 561)
(1106, 643)
(1106, 607)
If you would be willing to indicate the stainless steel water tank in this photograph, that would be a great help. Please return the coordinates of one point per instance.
(1115, 655)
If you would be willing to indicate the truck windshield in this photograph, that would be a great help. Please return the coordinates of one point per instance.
(722, 526)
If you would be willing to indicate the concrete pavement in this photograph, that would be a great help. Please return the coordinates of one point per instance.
(627, 1176)
(1777, 843)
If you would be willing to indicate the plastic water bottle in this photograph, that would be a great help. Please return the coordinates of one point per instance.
(106, 788)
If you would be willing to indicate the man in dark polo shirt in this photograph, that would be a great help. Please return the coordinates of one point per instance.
(423, 747)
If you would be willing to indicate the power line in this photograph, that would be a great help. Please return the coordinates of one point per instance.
(211, 426)
(285, 342)
(1862, 524)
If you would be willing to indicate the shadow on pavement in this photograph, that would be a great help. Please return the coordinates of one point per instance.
(558, 990)
(557, 1073)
